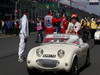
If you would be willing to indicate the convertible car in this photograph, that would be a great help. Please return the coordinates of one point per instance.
(97, 35)
(58, 52)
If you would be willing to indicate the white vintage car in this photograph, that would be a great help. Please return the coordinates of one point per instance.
(97, 35)
(58, 52)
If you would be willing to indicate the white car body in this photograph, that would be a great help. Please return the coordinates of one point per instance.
(50, 61)
(97, 35)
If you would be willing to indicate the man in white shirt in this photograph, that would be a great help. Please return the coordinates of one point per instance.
(48, 22)
(23, 35)
(73, 27)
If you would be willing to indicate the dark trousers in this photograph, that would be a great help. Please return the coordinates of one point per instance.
(17, 30)
(39, 36)
(92, 33)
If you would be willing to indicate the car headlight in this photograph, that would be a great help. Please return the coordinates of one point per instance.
(39, 52)
(61, 53)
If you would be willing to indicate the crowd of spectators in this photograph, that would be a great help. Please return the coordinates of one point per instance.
(7, 26)
(10, 26)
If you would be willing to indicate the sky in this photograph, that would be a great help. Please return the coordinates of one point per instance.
(84, 5)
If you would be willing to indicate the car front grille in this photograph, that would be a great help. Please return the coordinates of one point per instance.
(49, 55)
(48, 63)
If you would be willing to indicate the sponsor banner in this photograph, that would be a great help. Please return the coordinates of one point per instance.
(94, 2)
(46, 0)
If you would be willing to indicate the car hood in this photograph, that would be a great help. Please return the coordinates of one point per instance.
(97, 33)
(53, 48)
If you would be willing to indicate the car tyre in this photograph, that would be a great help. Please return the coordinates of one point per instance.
(32, 71)
(74, 69)
(95, 42)
(88, 58)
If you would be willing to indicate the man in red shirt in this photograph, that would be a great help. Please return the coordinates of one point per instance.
(64, 24)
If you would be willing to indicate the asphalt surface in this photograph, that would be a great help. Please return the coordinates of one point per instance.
(10, 66)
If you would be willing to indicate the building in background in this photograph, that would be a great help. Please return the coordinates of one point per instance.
(94, 2)
(7, 8)
(90, 6)
(36, 8)
(41, 7)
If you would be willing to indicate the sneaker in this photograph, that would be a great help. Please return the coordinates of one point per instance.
(24, 58)
(20, 60)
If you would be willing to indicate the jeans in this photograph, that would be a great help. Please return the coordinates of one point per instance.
(39, 36)
(92, 33)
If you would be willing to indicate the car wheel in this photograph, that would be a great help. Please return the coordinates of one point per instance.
(32, 71)
(95, 41)
(74, 69)
(88, 58)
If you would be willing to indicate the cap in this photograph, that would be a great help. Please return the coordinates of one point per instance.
(74, 15)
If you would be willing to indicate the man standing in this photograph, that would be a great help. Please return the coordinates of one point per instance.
(23, 35)
(39, 38)
(64, 24)
(93, 27)
(49, 23)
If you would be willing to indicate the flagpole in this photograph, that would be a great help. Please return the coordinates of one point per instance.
(15, 9)
(70, 6)
(58, 3)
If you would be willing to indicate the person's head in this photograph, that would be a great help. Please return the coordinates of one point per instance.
(74, 20)
(93, 19)
(63, 16)
(74, 15)
(98, 21)
(50, 12)
(25, 12)
(38, 19)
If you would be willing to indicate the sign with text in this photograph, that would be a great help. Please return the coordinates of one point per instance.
(94, 2)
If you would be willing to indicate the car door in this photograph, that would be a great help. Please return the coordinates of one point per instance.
(82, 54)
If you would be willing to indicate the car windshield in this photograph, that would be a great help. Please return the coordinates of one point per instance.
(61, 38)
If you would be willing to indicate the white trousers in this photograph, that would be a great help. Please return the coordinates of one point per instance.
(22, 45)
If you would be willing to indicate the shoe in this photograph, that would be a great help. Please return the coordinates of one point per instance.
(24, 58)
(20, 59)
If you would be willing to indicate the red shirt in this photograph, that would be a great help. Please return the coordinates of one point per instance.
(49, 30)
(64, 25)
